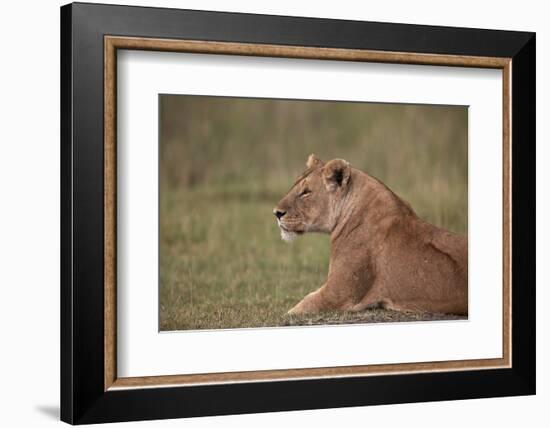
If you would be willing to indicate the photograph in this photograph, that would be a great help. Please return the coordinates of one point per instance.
(262, 211)
(291, 212)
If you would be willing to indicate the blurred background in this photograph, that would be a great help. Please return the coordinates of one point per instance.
(224, 164)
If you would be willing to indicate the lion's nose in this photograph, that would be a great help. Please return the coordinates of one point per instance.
(278, 213)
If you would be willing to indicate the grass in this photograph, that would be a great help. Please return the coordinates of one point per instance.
(226, 162)
(223, 264)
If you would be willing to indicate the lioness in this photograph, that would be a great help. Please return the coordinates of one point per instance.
(382, 254)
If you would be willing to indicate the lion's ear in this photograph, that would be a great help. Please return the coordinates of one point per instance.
(336, 174)
(313, 161)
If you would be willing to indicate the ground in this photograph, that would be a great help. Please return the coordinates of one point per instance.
(222, 267)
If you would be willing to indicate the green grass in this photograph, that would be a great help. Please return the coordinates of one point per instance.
(223, 264)
(226, 162)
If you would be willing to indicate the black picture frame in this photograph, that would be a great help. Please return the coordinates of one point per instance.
(83, 398)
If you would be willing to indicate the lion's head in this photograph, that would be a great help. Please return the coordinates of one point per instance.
(314, 202)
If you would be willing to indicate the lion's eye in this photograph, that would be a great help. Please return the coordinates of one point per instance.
(305, 192)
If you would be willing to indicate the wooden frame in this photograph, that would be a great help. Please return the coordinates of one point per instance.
(112, 43)
(511, 52)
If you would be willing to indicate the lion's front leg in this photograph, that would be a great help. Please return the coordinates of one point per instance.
(312, 303)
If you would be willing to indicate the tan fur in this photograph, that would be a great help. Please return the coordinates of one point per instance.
(382, 254)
